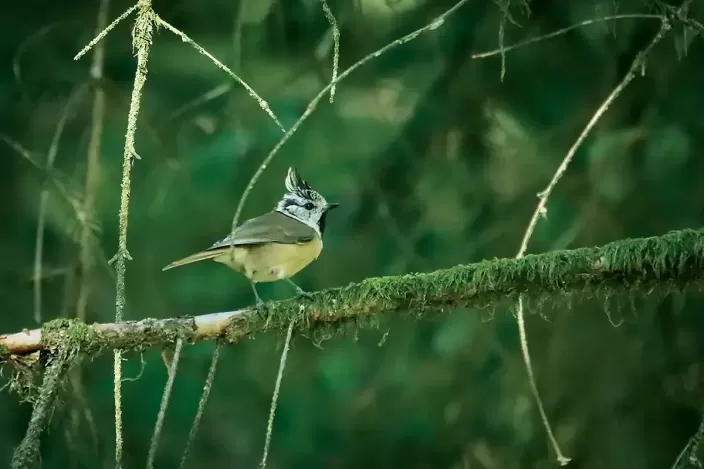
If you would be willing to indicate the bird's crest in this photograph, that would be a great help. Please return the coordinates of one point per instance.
(295, 185)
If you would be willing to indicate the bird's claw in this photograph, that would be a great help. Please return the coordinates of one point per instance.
(260, 309)
(303, 294)
(300, 292)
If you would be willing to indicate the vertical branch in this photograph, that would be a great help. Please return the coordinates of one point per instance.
(262, 103)
(141, 41)
(540, 211)
(165, 403)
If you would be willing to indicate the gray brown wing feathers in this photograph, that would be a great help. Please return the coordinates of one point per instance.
(272, 227)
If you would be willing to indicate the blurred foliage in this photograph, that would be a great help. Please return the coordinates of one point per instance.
(435, 162)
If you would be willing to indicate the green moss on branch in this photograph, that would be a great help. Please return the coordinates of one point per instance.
(27, 452)
(675, 259)
(672, 261)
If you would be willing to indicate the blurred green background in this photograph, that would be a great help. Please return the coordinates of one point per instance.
(435, 162)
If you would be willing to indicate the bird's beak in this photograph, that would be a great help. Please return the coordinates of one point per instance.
(331, 206)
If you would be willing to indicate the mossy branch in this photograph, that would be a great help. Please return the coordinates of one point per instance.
(691, 457)
(673, 260)
(27, 453)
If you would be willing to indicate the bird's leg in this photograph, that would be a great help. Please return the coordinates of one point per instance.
(299, 291)
(257, 298)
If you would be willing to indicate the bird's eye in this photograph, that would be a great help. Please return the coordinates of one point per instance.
(308, 206)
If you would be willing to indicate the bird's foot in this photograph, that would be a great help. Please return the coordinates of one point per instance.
(260, 308)
(303, 294)
(258, 301)
(300, 292)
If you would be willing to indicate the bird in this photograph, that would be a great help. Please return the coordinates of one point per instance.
(278, 244)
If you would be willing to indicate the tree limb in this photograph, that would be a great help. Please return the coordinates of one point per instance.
(673, 260)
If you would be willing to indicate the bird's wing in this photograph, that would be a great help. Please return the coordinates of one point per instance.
(272, 227)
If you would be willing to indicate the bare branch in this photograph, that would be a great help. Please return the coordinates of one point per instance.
(543, 37)
(262, 103)
(164, 404)
(336, 45)
(275, 395)
(105, 31)
(207, 386)
(540, 211)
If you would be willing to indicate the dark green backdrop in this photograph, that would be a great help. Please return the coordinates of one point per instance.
(435, 162)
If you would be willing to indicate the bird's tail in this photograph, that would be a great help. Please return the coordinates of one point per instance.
(199, 256)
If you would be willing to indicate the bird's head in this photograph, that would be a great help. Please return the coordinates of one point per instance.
(303, 203)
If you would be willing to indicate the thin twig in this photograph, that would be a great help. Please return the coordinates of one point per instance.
(105, 31)
(209, 95)
(637, 63)
(22, 48)
(44, 200)
(504, 12)
(336, 45)
(435, 24)
(541, 211)
(207, 386)
(429, 27)
(543, 37)
(275, 394)
(262, 103)
(164, 404)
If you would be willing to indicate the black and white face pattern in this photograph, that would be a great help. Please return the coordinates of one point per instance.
(303, 203)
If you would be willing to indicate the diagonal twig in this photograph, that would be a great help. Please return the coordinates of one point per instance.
(540, 211)
(435, 24)
(105, 31)
(262, 103)
(164, 404)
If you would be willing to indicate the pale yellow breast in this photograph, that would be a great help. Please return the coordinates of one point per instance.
(271, 262)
